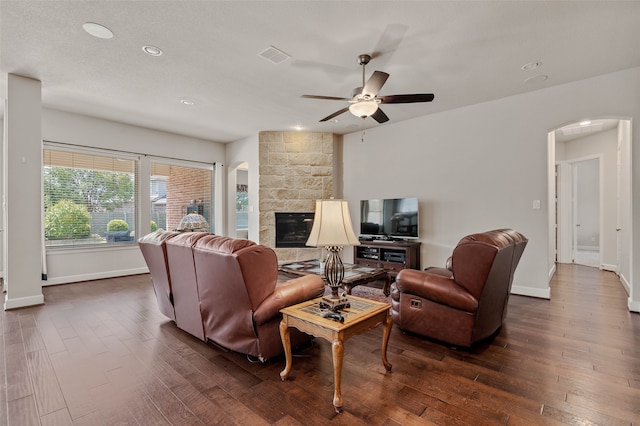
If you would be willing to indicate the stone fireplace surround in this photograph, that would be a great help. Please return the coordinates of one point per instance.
(295, 169)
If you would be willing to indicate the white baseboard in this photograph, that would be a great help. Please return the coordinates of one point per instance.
(634, 306)
(552, 272)
(610, 268)
(541, 293)
(21, 302)
(625, 283)
(94, 276)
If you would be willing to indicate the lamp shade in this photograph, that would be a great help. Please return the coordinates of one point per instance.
(332, 225)
(193, 222)
(363, 108)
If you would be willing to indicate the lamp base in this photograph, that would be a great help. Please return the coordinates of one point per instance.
(334, 304)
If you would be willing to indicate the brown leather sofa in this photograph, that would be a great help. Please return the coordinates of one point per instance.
(226, 290)
(467, 301)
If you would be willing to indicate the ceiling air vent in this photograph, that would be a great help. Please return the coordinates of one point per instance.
(274, 55)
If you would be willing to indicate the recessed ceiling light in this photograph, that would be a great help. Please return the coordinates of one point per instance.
(97, 30)
(298, 127)
(531, 66)
(187, 101)
(536, 79)
(585, 122)
(152, 50)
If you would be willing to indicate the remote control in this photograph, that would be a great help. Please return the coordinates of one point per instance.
(334, 316)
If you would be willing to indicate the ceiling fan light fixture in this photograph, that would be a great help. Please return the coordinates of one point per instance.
(363, 109)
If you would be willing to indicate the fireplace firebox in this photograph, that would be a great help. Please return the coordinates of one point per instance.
(292, 229)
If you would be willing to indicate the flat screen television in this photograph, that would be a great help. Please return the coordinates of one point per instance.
(390, 218)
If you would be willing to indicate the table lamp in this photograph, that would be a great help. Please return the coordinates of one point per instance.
(332, 230)
(193, 222)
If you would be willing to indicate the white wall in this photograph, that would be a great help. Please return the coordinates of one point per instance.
(22, 161)
(238, 152)
(480, 167)
(77, 265)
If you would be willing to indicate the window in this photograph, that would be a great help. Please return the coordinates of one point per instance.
(89, 197)
(177, 189)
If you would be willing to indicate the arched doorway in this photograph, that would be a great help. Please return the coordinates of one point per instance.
(609, 141)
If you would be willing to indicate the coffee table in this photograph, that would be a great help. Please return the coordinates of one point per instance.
(354, 275)
(362, 315)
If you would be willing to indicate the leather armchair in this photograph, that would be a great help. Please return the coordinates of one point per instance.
(467, 301)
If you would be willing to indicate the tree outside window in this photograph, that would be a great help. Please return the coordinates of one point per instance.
(83, 194)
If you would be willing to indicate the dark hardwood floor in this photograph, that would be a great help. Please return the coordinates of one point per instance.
(100, 353)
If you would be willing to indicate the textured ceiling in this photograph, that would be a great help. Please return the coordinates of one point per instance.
(465, 52)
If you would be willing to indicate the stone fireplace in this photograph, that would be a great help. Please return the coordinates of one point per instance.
(296, 168)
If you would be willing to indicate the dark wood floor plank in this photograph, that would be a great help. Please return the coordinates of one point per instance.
(17, 372)
(57, 418)
(47, 391)
(22, 411)
(175, 410)
(100, 353)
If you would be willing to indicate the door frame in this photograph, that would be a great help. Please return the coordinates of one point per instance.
(555, 169)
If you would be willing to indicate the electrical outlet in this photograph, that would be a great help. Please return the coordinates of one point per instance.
(536, 204)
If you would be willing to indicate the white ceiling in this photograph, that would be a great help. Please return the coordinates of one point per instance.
(465, 52)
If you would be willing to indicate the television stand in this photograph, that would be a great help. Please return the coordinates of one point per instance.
(392, 256)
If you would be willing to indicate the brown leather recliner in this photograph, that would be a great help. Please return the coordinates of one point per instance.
(186, 299)
(240, 297)
(467, 301)
(154, 251)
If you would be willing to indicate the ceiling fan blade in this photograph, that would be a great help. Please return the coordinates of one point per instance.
(335, 114)
(375, 83)
(406, 99)
(329, 98)
(380, 116)
(388, 43)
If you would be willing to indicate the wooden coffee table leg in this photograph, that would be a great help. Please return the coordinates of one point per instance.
(385, 340)
(286, 343)
(337, 350)
(386, 290)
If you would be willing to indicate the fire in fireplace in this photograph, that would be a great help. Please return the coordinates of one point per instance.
(292, 229)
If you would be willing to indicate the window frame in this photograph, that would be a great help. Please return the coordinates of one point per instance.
(148, 160)
(102, 152)
(141, 190)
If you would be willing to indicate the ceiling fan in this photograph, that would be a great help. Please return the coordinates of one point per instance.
(365, 101)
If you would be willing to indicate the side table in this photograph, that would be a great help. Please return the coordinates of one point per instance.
(363, 315)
